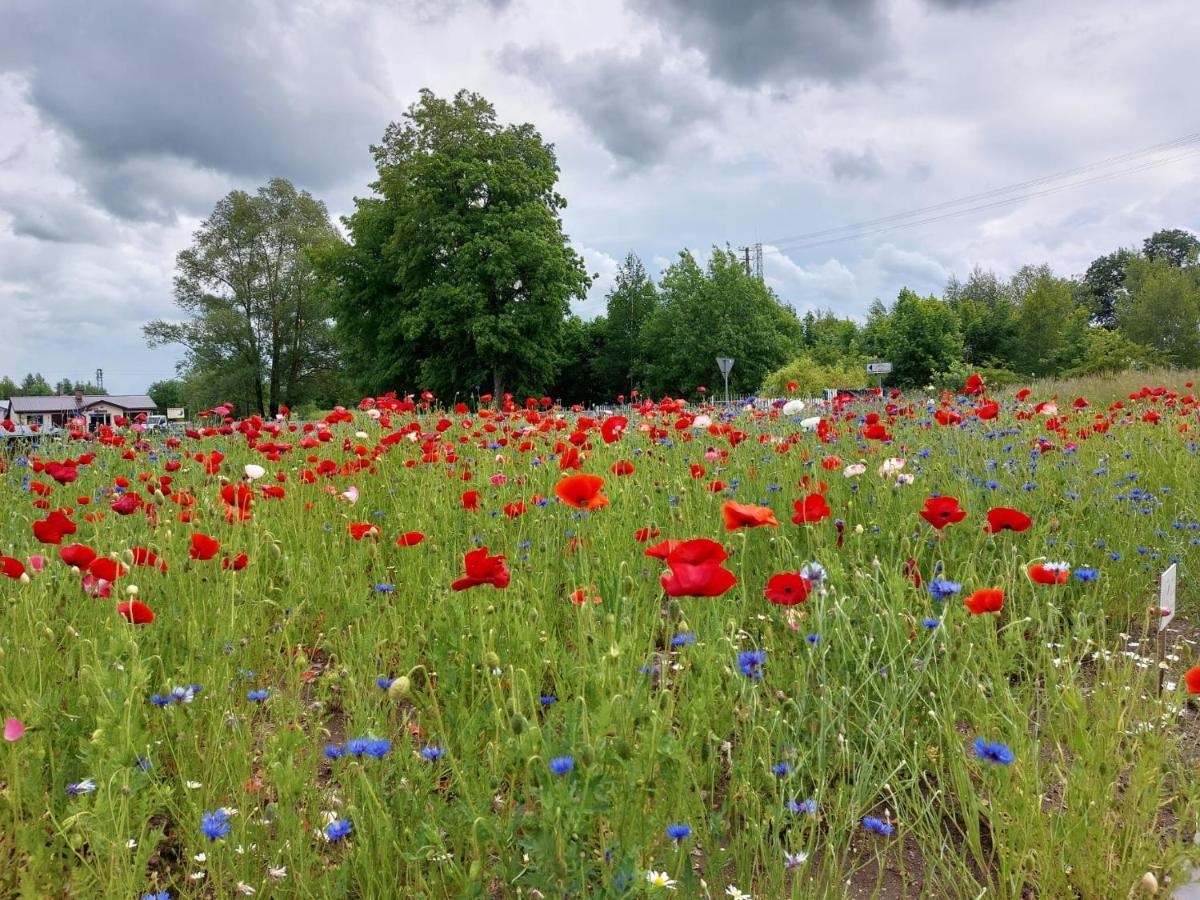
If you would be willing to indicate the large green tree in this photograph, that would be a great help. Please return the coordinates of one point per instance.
(1174, 246)
(256, 328)
(1103, 286)
(919, 336)
(1051, 327)
(718, 311)
(1162, 309)
(621, 362)
(986, 317)
(457, 273)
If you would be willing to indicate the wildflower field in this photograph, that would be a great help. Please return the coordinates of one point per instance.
(892, 646)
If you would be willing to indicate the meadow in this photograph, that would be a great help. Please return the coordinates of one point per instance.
(905, 650)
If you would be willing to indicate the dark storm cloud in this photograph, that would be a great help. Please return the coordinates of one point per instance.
(846, 165)
(221, 87)
(631, 104)
(775, 41)
(778, 40)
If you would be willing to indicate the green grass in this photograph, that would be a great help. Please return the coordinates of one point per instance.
(877, 718)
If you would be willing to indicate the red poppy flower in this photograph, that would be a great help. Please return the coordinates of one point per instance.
(77, 555)
(470, 500)
(942, 511)
(483, 569)
(360, 530)
(696, 552)
(1049, 573)
(580, 596)
(705, 580)
(746, 515)
(985, 600)
(988, 410)
(613, 428)
(913, 571)
(1003, 518)
(622, 467)
(204, 547)
(1192, 677)
(947, 417)
(144, 557)
(662, 549)
(1022, 393)
(127, 505)
(876, 432)
(830, 463)
(974, 385)
(512, 510)
(106, 569)
(787, 589)
(581, 491)
(410, 539)
(812, 508)
(136, 611)
(13, 568)
(237, 563)
(697, 471)
(644, 534)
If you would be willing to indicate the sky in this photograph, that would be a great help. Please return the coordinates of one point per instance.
(677, 124)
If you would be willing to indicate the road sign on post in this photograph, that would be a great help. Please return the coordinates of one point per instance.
(725, 363)
(879, 369)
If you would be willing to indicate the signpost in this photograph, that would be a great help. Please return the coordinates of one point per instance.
(879, 369)
(725, 363)
(174, 413)
(1166, 612)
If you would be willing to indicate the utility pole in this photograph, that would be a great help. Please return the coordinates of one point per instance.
(746, 251)
(753, 264)
(99, 378)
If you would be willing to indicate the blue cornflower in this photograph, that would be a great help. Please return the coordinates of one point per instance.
(813, 572)
(877, 825)
(781, 769)
(160, 700)
(941, 588)
(931, 623)
(383, 682)
(678, 833)
(1087, 574)
(258, 696)
(144, 763)
(993, 752)
(548, 700)
(992, 485)
(684, 639)
(432, 752)
(338, 829)
(561, 765)
(215, 824)
(750, 662)
(333, 751)
(808, 806)
(813, 638)
(81, 787)
(358, 746)
(183, 694)
(1114, 555)
(385, 588)
(160, 895)
(378, 748)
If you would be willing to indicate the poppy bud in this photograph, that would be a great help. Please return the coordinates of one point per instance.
(491, 660)
(275, 548)
(518, 724)
(400, 688)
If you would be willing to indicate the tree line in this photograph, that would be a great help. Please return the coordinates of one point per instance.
(455, 275)
(34, 384)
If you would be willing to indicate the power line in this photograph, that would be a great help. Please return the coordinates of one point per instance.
(1188, 140)
(895, 223)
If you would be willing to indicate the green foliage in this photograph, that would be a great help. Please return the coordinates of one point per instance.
(1162, 311)
(67, 386)
(828, 339)
(1103, 286)
(718, 311)
(918, 335)
(1173, 246)
(986, 316)
(256, 327)
(584, 346)
(458, 272)
(1107, 352)
(621, 362)
(1050, 325)
(811, 377)
(33, 385)
(166, 393)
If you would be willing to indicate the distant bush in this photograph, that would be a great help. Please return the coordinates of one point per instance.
(993, 377)
(1107, 352)
(811, 377)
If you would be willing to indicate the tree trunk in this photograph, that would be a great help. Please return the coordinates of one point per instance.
(497, 384)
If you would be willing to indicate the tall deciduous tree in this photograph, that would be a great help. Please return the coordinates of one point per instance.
(257, 326)
(1051, 326)
(985, 312)
(920, 338)
(458, 272)
(1162, 310)
(1174, 246)
(1103, 286)
(721, 311)
(633, 299)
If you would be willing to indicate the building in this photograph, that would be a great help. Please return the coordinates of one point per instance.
(97, 410)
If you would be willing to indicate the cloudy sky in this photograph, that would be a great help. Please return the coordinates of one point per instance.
(678, 123)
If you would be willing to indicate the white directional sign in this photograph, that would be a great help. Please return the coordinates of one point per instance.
(724, 363)
(1166, 597)
(879, 368)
